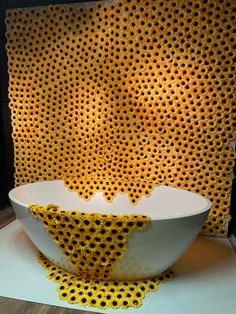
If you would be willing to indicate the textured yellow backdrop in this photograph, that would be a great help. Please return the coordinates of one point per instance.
(122, 96)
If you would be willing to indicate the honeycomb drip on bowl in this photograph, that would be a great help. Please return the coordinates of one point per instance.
(126, 95)
(94, 243)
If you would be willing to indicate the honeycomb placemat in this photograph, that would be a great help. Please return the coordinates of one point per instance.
(122, 96)
(102, 294)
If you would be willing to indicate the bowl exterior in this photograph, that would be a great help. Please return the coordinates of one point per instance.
(150, 251)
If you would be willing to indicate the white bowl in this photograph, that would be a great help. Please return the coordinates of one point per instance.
(176, 219)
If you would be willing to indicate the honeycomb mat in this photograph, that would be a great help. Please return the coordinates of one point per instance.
(133, 93)
(101, 294)
(92, 242)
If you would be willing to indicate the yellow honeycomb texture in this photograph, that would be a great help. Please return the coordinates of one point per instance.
(102, 294)
(92, 242)
(121, 96)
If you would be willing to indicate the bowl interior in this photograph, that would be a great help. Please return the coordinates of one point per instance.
(164, 203)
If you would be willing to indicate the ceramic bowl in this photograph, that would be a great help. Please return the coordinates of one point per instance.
(176, 219)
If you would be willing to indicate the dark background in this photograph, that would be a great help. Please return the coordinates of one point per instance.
(6, 144)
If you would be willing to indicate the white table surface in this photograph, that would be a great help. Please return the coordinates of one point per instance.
(205, 281)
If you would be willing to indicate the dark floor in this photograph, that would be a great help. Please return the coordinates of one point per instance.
(6, 216)
(12, 306)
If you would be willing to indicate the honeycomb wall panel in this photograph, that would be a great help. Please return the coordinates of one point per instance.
(121, 96)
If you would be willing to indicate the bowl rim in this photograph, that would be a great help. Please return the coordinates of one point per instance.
(206, 208)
